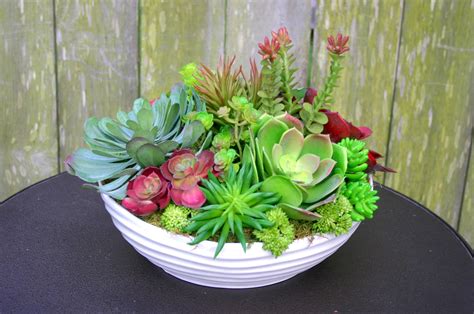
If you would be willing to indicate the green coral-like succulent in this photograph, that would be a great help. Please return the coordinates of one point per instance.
(233, 205)
(336, 217)
(175, 218)
(357, 156)
(119, 149)
(277, 238)
(362, 198)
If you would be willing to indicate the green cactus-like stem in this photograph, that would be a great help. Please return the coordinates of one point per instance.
(287, 79)
(324, 96)
(270, 101)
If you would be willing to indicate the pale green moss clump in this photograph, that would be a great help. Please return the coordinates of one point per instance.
(336, 217)
(175, 218)
(277, 238)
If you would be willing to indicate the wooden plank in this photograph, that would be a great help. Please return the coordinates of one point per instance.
(28, 137)
(97, 63)
(248, 22)
(433, 115)
(365, 91)
(466, 224)
(174, 33)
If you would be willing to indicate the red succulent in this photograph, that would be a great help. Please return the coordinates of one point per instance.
(338, 45)
(282, 36)
(338, 128)
(185, 170)
(147, 192)
(269, 49)
(310, 94)
(373, 166)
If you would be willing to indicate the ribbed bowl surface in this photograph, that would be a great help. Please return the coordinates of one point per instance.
(232, 268)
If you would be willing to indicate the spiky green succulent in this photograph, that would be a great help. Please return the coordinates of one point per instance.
(175, 218)
(362, 198)
(336, 217)
(233, 205)
(278, 237)
(299, 169)
(119, 148)
(357, 156)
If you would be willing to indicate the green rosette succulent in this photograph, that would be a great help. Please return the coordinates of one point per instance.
(298, 168)
(357, 156)
(119, 149)
(232, 205)
(362, 198)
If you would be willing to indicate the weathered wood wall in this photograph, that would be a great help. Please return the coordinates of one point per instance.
(409, 76)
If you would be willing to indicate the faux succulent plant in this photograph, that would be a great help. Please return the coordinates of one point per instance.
(335, 217)
(119, 149)
(363, 198)
(298, 167)
(228, 156)
(357, 156)
(185, 171)
(232, 205)
(278, 237)
(147, 192)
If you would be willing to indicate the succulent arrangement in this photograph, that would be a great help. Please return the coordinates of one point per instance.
(236, 157)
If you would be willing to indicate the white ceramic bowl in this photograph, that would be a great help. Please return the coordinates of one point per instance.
(232, 268)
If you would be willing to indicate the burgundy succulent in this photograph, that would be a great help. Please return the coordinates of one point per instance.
(185, 170)
(373, 166)
(338, 128)
(147, 192)
(269, 49)
(310, 94)
(338, 45)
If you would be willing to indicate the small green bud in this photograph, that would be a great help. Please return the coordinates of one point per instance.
(224, 158)
(207, 119)
(189, 74)
(223, 139)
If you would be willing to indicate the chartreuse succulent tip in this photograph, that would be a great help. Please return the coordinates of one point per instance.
(175, 218)
(335, 217)
(278, 237)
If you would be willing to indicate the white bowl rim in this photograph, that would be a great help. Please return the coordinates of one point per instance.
(254, 249)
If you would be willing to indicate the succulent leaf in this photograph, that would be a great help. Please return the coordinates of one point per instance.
(323, 189)
(297, 213)
(290, 193)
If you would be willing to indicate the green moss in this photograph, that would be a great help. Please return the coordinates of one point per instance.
(175, 218)
(336, 217)
(277, 238)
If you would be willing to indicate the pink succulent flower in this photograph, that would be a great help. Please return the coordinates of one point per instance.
(185, 170)
(147, 192)
(338, 45)
(269, 50)
(282, 36)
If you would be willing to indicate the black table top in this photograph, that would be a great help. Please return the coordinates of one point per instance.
(59, 252)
